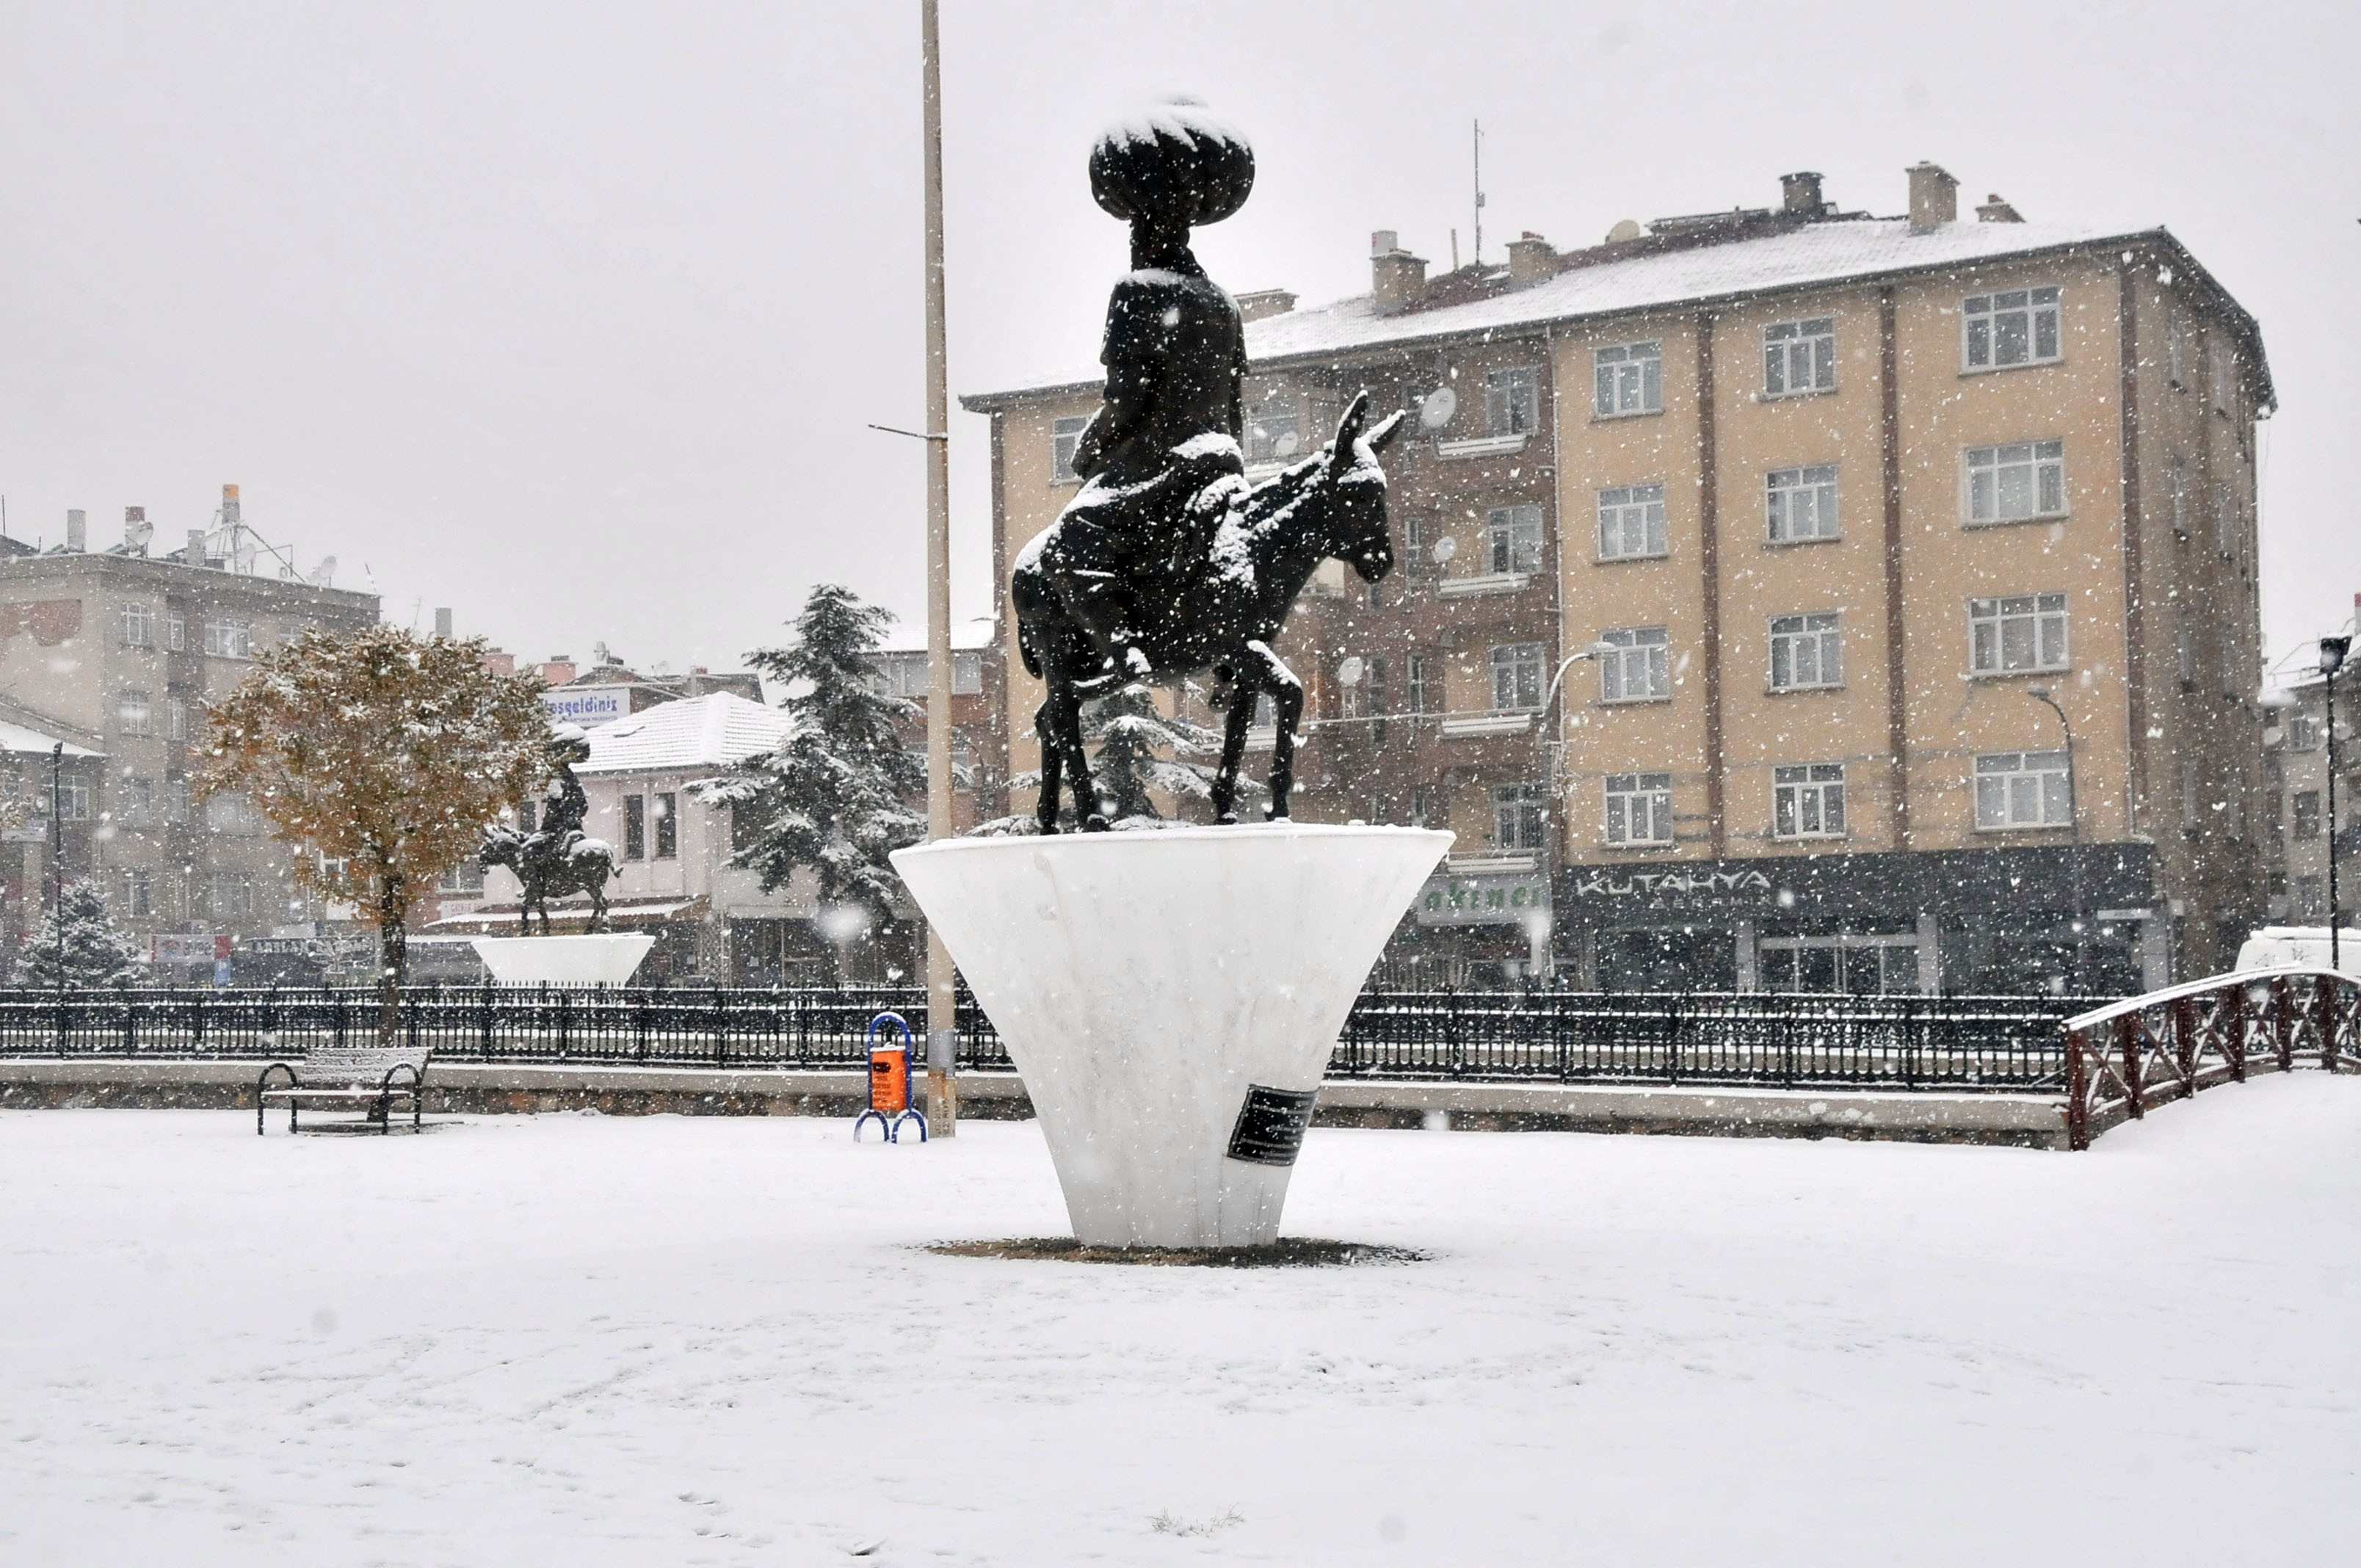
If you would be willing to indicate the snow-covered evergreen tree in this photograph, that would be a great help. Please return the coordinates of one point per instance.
(837, 795)
(96, 950)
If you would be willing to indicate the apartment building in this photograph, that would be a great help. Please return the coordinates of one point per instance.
(979, 712)
(125, 647)
(2296, 797)
(1790, 598)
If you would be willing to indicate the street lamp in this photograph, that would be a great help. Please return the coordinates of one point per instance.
(2332, 659)
(2073, 840)
(1540, 940)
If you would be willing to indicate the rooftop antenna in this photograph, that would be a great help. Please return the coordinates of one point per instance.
(1478, 257)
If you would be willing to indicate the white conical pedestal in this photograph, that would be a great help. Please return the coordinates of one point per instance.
(1145, 982)
(606, 957)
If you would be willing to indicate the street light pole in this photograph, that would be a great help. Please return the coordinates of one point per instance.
(2074, 840)
(2332, 659)
(58, 863)
(1540, 945)
(942, 1014)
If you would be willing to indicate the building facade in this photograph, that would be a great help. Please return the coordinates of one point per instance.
(1788, 598)
(129, 647)
(979, 713)
(2296, 799)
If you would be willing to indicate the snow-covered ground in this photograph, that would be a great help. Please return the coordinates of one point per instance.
(581, 1340)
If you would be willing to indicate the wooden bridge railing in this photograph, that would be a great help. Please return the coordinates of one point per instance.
(2123, 1058)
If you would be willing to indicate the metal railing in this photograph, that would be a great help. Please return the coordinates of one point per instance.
(2125, 1057)
(1955, 1043)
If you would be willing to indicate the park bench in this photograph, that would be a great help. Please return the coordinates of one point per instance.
(347, 1075)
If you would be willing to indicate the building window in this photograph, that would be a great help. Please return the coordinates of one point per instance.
(2223, 363)
(1632, 523)
(1630, 379)
(1639, 809)
(2023, 789)
(138, 625)
(1418, 677)
(2189, 792)
(1421, 806)
(1376, 678)
(2226, 520)
(668, 818)
(2303, 732)
(176, 799)
(635, 827)
(133, 715)
(2011, 636)
(176, 718)
(1516, 677)
(465, 880)
(232, 894)
(1418, 553)
(1511, 401)
(2175, 354)
(73, 799)
(1806, 651)
(1063, 436)
(2306, 814)
(1807, 801)
(967, 674)
(1640, 668)
(138, 892)
(2018, 327)
(176, 631)
(227, 639)
(1274, 431)
(2179, 482)
(527, 815)
(1802, 503)
(1516, 818)
(2016, 483)
(1799, 356)
(136, 805)
(231, 812)
(1513, 539)
(2184, 646)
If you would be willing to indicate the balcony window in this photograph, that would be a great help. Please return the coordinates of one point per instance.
(1639, 809)
(2014, 636)
(1516, 677)
(1513, 539)
(1511, 401)
(1801, 503)
(2024, 789)
(1630, 379)
(1806, 651)
(1807, 801)
(1799, 356)
(2019, 326)
(1639, 670)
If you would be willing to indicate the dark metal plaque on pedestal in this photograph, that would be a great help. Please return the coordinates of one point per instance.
(1271, 1125)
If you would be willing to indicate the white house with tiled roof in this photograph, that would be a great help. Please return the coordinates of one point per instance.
(712, 921)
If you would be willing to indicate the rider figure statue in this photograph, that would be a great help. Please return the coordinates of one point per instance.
(563, 805)
(1175, 357)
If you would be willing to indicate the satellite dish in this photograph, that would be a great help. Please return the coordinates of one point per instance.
(136, 536)
(1623, 232)
(1444, 549)
(1350, 671)
(325, 576)
(1434, 411)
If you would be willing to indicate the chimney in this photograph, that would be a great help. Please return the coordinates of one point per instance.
(557, 672)
(499, 664)
(77, 531)
(1993, 210)
(1530, 258)
(442, 622)
(1265, 303)
(229, 506)
(196, 557)
(1934, 198)
(1397, 279)
(1799, 196)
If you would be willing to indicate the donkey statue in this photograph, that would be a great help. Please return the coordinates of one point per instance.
(1219, 612)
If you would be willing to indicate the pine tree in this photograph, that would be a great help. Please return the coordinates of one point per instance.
(835, 795)
(96, 951)
(1138, 751)
(382, 756)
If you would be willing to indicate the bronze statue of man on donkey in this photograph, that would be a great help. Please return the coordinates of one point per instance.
(1168, 564)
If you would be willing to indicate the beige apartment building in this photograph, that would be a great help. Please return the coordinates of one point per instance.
(1756, 568)
(2296, 796)
(122, 647)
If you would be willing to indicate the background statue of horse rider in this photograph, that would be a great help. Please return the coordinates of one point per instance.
(1166, 563)
(558, 858)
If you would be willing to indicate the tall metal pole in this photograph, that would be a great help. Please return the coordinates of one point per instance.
(2332, 659)
(58, 862)
(942, 1017)
(2073, 840)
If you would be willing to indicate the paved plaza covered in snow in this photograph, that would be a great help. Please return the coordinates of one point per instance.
(587, 1341)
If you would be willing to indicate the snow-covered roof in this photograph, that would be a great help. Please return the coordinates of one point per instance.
(966, 637)
(1808, 255)
(17, 739)
(710, 731)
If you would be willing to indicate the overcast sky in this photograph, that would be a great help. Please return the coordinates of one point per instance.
(571, 316)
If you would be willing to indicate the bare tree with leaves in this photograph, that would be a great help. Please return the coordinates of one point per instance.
(379, 756)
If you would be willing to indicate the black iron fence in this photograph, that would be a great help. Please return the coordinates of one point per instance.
(1803, 1041)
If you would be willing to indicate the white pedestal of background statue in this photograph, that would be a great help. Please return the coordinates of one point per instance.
(609, 958)
(1144, 983)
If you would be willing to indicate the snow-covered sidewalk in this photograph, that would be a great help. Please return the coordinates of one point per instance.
(583, 1340)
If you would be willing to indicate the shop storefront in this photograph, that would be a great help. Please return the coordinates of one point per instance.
(1471, 930)
(1993, 920)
